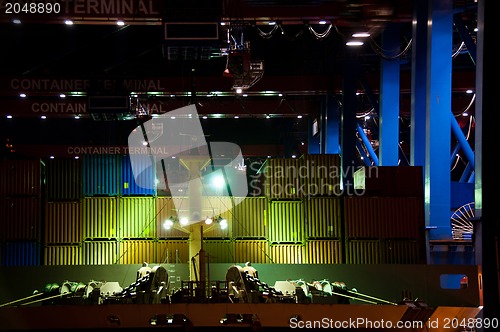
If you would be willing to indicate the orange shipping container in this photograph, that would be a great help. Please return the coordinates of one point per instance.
(254, 251)
(323, 217)
(100, 252)
(287, 254)
(173, 251)
(63, 255)
(323, 252)
(137, 252)
(63, 222)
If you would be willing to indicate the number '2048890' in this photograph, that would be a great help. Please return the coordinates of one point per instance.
(32, 7)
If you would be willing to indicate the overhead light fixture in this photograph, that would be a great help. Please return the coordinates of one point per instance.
(121, 23)
(322, 22)
(361, 34)
(208, 221)
(184, 221)
(354, 43)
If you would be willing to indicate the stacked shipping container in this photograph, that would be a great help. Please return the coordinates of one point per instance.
(20, 211)
(93, 212)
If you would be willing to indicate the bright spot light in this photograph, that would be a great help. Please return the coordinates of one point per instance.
(208, 221)
(218, 181)
(168, 224)
(184, 221)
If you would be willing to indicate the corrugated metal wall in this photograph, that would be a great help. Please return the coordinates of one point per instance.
(250, 218)
(101, 175)
(219, 251)
(287, 254)
(21, 177)
(320, 175)
(80, 226)
(323, 217)
(137, 252)
(363, 252)
(63, 222)
(172, 251)
(383, 217)
(281, 178)
(146, 184)
(323, 252)
(64, 179)
(20, 218)
(254, 251)
(100, 218)
(62, 254)
(401, 181)
(137, 217)
(165, 208)
(20, 253)
(286, 221)
(100, 252)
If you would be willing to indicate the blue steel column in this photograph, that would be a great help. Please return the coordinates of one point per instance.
(438, 120)
(389, 97)
(332, 125)
(487, 177)
(348, 133)
(418, 132)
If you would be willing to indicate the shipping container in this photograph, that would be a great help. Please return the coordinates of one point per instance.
(218, 208)
(173, 251)
(323, 217)
(320, 175)
(64, 179)
(323, 252)
(166, 209)
(138, 252)
(21, 218)
(63, 254)
(286, 222)
(250, 218)
(100, 252)
(20, 253)
(63, 222)
(287, 254)
(101, 175)
(282, 178)
(403, 252)
(363, 252)
(100, 217)
(142, 184)
(404, 181)
(253, 251)
(384, 217)
(219, 251)
(21, 177)
(137, 217)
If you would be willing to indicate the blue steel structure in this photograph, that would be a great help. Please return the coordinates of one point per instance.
(431, 72)
(432, 126)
